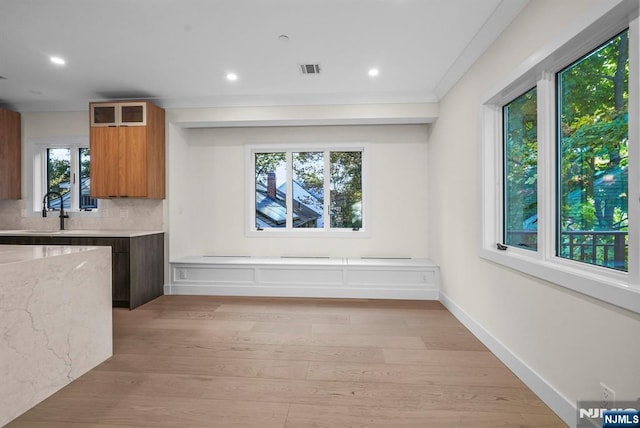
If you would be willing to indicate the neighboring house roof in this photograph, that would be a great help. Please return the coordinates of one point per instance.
(306, 197)
(54, 203)
(272, 212)
(85, 185)
(273, 209)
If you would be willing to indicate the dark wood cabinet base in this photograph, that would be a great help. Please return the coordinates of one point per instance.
(137, 263)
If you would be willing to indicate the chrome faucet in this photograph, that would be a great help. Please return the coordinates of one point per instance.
(62, 214)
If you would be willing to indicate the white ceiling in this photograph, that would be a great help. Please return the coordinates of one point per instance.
(178, 52)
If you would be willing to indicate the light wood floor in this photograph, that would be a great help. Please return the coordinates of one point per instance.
(187, 361)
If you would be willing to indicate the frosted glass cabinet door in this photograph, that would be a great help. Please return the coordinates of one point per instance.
(133, 114)
(119, 114)
(104, 114)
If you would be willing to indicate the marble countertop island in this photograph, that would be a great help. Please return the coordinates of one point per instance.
(108, 233)
(55, 320)
(25, 253)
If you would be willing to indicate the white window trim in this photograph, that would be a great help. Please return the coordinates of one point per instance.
(36, 176)
(327, 232)
(618, 288)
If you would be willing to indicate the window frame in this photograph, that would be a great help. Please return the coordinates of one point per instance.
(615, 287)
(37, 178)
(289, 231)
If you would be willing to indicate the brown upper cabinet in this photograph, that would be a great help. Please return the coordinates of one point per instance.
(127, 150)
(10, 159)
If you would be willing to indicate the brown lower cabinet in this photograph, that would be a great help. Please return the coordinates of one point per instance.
(137, 263)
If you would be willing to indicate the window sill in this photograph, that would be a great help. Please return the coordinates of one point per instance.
(612, 288)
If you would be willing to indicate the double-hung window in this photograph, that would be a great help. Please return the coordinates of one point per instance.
(558, 157)
(61, 169)
(306, 189)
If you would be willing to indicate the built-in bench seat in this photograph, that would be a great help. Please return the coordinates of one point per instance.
(372, 278)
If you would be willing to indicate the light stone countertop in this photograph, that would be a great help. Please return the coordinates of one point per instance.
(85, 233)
(55, 319)
(26, 253)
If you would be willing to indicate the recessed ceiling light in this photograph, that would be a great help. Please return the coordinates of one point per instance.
(232, 77)
(283, 38)
(57, 60)
(374, 72)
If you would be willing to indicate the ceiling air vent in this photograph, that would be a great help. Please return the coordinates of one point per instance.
(310, 68)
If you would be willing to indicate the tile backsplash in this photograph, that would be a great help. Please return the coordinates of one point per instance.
(114, 214)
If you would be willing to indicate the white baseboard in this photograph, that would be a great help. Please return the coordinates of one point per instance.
(562, 406)
(318, 291)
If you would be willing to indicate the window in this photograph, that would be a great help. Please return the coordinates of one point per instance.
(306, 189)
(346, 189)
(62, 167)
(559, 160)
(270, 190)
(59, 177)
(84, 183)
(521, 171)
(593, 161)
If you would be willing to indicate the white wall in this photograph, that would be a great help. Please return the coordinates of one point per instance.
(208, 166)
(178, 192)
(572, 341)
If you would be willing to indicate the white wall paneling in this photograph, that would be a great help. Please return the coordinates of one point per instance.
(305, 277)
